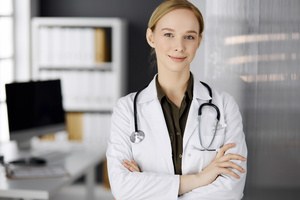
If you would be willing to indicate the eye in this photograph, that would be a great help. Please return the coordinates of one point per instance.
(189, 37)
(168, 35)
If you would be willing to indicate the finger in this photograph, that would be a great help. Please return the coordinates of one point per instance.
(229, 172)
(135, 165)
(231, 156)
(126, 165)
(126, 162)
(223, 149)
(133, 161)
(232, 165)
(130, 167)
(134, 169)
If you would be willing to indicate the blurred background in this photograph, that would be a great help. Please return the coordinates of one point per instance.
(251, 49)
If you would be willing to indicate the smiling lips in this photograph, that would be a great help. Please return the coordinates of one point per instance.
(177, 59)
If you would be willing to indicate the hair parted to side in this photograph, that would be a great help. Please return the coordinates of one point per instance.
(164, 8)
(170, 5)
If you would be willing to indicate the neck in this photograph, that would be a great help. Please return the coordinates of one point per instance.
(174, 85)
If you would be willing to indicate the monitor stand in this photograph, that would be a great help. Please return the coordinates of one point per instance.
(30, 162)
(24, 145)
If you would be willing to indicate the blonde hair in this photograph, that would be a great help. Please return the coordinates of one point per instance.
(170, 5)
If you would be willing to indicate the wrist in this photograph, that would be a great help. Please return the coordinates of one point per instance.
(201, 179)
(190, 182)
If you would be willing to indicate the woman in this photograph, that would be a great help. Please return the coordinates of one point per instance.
(176, 158)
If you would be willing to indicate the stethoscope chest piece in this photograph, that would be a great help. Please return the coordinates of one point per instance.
(137, 136)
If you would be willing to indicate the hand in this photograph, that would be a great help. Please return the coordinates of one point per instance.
(222, 164)
(131, 165)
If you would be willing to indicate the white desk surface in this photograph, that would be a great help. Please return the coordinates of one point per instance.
(81, 160)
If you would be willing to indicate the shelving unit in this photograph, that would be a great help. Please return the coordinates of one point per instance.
(69, 49)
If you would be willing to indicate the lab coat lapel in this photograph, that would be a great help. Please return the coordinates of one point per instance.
(157, 124)
(160, 132)
(200, 95)
(192, 122)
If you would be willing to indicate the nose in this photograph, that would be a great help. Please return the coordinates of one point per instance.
(179, 45)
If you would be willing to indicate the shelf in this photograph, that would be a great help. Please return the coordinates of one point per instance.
(6, 58)
(87, 54)
(96, 67)
(89, 111)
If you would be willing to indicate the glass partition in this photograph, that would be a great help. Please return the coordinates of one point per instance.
(252, 50)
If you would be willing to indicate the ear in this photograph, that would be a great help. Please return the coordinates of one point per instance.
(149, 37)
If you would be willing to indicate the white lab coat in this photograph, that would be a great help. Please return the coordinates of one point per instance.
(154, 154)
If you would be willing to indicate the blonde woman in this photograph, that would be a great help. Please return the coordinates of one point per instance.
(158, 147)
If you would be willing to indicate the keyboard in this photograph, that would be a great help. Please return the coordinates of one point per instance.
(21, 172)
(53, 156)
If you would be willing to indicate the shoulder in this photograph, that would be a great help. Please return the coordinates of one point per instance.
(145, 94)
(125, 102)
(225, 100)
(202, 90)
(222, 95)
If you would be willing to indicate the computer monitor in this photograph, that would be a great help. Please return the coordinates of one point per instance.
(34, 108)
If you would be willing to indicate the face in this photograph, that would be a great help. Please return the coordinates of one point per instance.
(175, 40)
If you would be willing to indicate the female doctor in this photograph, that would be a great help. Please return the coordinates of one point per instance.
(177, 138)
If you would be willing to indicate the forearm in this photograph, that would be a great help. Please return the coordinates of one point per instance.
(190, 182)
(143, 185)
(186, 182)
(223, 188)
(222, 164)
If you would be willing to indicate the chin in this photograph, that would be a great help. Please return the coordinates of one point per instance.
(179, 69)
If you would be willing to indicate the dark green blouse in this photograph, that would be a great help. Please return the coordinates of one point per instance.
(176, 120)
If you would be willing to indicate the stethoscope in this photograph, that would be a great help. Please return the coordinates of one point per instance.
(138, 135)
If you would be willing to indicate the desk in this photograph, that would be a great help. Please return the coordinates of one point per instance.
(80, 161)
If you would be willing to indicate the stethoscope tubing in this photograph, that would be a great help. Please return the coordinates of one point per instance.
(209, 104)
(135, 111)
(141, 135)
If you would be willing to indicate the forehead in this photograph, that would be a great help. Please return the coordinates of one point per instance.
(179, 19)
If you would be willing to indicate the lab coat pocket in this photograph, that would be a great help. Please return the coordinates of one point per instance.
(211, 131)
(214, 140)
(197, 160)
(208, 125)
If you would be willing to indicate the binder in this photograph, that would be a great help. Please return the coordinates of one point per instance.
(101, 54)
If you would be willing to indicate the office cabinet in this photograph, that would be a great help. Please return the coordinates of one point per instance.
(89, 56)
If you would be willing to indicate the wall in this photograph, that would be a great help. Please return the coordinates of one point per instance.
(136, 12)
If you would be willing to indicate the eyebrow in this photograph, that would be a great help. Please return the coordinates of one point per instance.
(172, 30)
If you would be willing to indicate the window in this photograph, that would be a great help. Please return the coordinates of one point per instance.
(6, 59)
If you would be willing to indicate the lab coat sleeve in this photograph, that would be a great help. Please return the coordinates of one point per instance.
(133, 185)
(226, 187)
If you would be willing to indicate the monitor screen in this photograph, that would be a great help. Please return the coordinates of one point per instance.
(34, 108)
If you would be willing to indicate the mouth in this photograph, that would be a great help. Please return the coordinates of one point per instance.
(177, 58)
